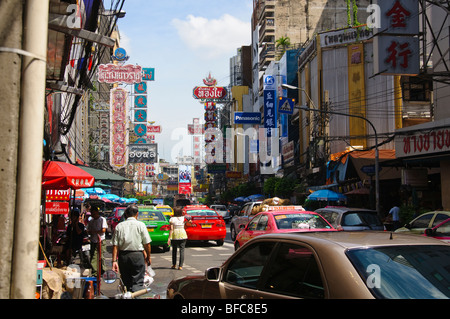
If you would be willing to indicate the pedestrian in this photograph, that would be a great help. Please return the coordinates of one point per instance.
(75, 233)
(96, 228)
(395, 213)
(177, 236)
(131, 250)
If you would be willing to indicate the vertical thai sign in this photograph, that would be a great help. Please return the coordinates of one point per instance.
(396, 45)
(356, 93)
(119, 128)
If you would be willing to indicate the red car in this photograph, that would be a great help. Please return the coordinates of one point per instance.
(115, 218)
(282, 219)
(204, 223)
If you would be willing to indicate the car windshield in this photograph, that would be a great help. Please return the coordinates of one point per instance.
(120, 212)
(300, 221)
(151, 215)
(403, 272)
(201, 212)
(220, 207)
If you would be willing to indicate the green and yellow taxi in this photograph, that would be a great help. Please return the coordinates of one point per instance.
(157, 225)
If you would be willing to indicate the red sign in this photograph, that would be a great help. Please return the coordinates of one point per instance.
(210, 92)
(57, 208)
(111, 73)
(57, 194)
(119, 132)
(153, 128)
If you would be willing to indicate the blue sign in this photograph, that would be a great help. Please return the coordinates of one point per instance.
(140, 116)
(269, 82)
(140, 129)
(247, 118)
(140, 101)
(140, 88)
(270, 118)
(148, 74)
(286, 105)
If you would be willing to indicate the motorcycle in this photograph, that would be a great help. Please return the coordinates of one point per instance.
(110, 277)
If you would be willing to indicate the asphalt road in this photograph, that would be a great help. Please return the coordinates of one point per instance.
(198, 257)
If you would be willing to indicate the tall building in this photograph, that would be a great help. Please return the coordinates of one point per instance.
(295, 21)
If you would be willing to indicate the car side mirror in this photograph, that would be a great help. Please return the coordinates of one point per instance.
(242, 226)
(430, 232)
(212, 274)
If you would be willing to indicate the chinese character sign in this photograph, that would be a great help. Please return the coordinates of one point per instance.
(270, 118)
(119, 130)
(396, 44)
(399, 17)
(396, 55)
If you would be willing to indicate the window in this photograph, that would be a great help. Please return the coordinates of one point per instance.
(330, 217)
(422, 222)
(439, 219)
(245, 269)
(444, 229)
(405, 272)
(262, 223)
(253, 224)
(294, 272)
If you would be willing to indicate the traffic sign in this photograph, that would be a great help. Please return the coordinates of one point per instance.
(286, 105)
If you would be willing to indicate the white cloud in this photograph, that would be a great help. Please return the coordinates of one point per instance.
(215, 37)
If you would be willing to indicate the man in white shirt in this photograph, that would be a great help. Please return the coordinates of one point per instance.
(131, 249)
(96, 228)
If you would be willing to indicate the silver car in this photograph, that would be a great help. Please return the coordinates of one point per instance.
(242, 218)
(351, 219)
(222, 211)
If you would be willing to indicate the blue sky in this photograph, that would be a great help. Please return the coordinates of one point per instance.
(184, 40)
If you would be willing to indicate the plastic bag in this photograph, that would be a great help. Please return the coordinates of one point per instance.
(148, 277)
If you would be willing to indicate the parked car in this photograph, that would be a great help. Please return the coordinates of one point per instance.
(157, 225)
(440, 231)
(351, 219)
(222, 211)
(115, 218)
(326, 265)
(204, 224)
(243, 217)
(424, 221)
(282, 221)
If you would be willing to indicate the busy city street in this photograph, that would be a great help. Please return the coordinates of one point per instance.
(225, 158)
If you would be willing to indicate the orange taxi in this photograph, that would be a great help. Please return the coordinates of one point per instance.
(204, 224)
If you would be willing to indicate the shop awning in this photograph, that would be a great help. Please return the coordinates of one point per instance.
(61, 175)
(101, 175)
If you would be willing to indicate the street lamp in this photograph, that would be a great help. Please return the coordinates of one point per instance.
(377, 162)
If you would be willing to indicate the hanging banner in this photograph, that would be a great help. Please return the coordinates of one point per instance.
(119, 128)
(57, 208)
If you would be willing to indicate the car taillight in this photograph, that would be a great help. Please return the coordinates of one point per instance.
(220, 224)
(165, 227)
(191, 224)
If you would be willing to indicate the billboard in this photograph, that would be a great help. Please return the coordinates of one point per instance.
(143, 153)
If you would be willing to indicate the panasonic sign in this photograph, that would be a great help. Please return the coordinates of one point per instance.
(247, 118)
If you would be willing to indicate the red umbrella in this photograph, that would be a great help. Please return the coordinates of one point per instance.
(61, 175)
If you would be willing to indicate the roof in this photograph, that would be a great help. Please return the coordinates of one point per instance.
(102, 175)
(360, 239)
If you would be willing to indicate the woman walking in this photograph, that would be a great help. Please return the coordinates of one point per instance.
(177, 236)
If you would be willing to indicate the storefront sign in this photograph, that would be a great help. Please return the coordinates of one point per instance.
(143, 153)
(425, 143)
(57, 194)
(57, 208)
(247, 118)
(210, 92)
(111, 73)
(154, 128)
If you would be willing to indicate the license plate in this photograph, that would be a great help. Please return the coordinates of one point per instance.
(206, 225)
(86, 247)
(151, 229)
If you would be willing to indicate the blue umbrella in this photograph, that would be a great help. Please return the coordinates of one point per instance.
(255, 197)
(240, 199)
(327, 195)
